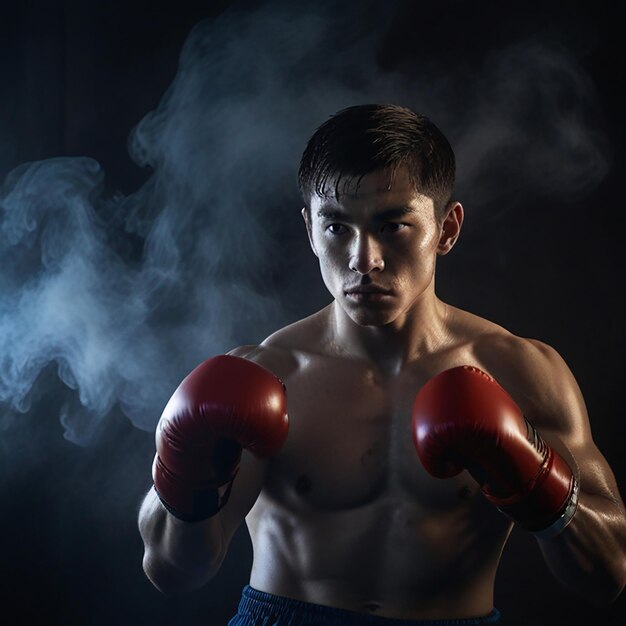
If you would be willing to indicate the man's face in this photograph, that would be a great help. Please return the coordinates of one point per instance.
(380, 239)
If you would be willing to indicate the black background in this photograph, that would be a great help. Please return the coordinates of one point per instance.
(76, 78)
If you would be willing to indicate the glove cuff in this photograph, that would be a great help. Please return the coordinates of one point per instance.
(189, 502)
(204, 504)
(565, 518)
(550, 495)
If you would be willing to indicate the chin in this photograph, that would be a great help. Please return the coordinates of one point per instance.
(363, 316)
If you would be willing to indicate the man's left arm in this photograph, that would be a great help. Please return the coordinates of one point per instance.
(589, 554)
(520, 427)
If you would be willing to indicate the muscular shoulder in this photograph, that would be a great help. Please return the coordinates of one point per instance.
(282, 351)
(537, 377)
(507, 353)
(532, 371)
(278, 361)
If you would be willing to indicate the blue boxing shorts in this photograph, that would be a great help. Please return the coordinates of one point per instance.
(257, 608)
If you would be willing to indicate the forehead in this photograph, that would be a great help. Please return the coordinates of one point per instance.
(379, 191)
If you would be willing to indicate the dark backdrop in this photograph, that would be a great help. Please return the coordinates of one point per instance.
(541, 251)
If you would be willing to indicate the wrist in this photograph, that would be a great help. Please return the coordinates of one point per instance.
(201, 504)
(189, 501)
(548, 496)
(561, 523)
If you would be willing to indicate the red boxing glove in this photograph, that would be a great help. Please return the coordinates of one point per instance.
(463, 419)
(224, 405)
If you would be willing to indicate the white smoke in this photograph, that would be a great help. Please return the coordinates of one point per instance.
(126, 294)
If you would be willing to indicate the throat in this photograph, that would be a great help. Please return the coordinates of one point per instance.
(391, 347)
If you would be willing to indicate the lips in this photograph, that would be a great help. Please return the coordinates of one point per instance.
(368, 295)
(368, 289)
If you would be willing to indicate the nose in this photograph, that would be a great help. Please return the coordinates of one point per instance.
(366, 255)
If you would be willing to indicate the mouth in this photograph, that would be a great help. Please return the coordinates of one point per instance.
(368, 293)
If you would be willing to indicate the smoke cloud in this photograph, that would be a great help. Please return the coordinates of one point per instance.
(125, 295)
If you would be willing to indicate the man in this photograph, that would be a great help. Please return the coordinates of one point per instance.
(357, 422)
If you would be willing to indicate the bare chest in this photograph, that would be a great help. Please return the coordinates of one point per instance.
(350, 443)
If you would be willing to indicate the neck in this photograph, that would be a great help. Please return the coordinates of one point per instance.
(420, 330)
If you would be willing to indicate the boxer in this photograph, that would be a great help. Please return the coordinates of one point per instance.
(381, 449)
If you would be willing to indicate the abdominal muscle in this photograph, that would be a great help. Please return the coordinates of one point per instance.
(388, 557)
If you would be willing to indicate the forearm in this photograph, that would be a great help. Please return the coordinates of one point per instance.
(179, 556)
(589, 555)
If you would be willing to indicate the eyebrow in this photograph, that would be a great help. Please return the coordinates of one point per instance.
(392, 213)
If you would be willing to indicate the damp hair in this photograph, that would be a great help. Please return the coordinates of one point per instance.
(362, 139)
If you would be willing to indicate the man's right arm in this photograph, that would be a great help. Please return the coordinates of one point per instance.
(205, 484)
(178, 556)
(181, 556)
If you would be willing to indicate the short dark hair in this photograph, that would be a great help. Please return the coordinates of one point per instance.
(362, 139)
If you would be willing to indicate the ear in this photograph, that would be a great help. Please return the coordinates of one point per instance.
(309, 227)
(450, 227)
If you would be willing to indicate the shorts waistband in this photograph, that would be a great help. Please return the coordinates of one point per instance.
(262, 608)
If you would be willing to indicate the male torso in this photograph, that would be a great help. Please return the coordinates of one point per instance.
(347, 516)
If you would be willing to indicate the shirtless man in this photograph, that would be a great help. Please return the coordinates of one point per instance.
(358, 422)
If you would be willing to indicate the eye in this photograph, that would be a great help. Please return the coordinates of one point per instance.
(394, 227)
(335, 229)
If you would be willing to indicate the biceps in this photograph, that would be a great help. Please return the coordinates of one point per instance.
(597, 477)
(587, 461)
